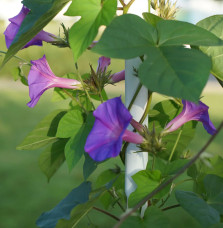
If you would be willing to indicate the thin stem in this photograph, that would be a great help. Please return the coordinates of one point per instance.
(85, 90)
(149, 5)
(119, 8)
(166, 183)
(135, 95)
(170, 207)
(181, 182)
(122, 2)
(3, 52)
(145, 114)
(117, 198)
(106, 213)
(76, 100)
(175, 145)
(126, 7)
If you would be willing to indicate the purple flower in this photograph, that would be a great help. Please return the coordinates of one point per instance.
(103, 63)
(117, 77)
(109, 130)
(190, 112)
(13, 28)
(41, 78)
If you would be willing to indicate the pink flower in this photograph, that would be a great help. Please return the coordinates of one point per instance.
(13, 28)
(190, 112)
(41, 78)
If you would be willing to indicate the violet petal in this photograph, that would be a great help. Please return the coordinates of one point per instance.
(105, 138)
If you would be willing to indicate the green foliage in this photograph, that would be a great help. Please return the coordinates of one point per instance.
(199, 171)
(89, 166)
(42, 12)
(173, 69)
(146, 182)
(214, 189)
(214, 24)
(62, 210)
(167, 168)
(166, 111)
(52, 158)
(70, 124)
(93, 14)
(151, 18)
(153, 217)
(44, 133)
(198, 208)
(75, 147)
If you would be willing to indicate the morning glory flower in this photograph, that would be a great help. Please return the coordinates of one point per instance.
(13, 28)
(41, 78)
(191, 111)
(103, 63)
(110, 129)
(117, 77)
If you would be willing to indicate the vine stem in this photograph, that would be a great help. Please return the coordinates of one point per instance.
(106, 213)
(3, 52)
(149, 5)
(170, 207)
(175, 145)
(85, 90)
(164, 184)
(135, 95)
(145, 114)
(126, 7)
(76, 100)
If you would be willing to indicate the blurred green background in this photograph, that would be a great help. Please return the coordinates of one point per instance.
(24, 191)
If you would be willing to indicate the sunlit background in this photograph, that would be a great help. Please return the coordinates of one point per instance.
(24, 191)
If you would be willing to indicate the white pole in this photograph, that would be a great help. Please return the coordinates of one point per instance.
(134, 162)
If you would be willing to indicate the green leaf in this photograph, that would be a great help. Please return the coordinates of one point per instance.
(70, 124)
(127, 37)
(42, 12)
(146, 182)
(168, 110)
(18, 74)
(214, 188)
(168, 168)
(81, 210)
(180, 33)
(62, 210)
(75, 147)
(93, 14)
(198, 208)
(176, 71)
(173, 69)
(219, 225)
(153, 218)
(89, 166)
(199, 171)
(214, 24)
(44, 133)
(151, 18)
(52, 158)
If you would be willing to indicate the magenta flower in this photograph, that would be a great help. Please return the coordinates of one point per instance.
(117, 77)
(190, 112)
(41, 78)
(13, 28)
(103, 63)
(109, 130)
